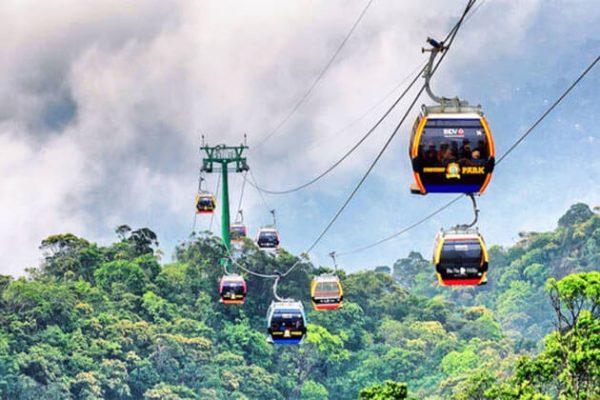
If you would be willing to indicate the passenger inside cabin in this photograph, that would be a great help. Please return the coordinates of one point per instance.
(476, 158)
(431, 155)
(444, 147)
(454, 148)
(436, 154)
(465, 150)
(447, 156)
(482, 148)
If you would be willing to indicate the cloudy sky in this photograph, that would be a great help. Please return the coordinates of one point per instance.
(102, 105)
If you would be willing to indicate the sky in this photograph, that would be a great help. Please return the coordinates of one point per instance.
(103, 105)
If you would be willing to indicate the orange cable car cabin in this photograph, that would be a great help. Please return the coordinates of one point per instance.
(460, 257)
(326, 292)
(237, 232)
(205, 203)
(451, 150)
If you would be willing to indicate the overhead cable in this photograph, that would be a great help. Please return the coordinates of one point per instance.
(317, 79)
(549, 110)
(500, 159)
(450, 38)
(349, 152)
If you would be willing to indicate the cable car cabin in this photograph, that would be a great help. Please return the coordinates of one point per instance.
(232, 289)
(267, 238)
(237, 232)
(460, 257)
(326, 292)
(452, 150)
(205, 203)
(286, 322)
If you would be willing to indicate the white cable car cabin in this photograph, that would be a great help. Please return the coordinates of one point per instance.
(268, 238)
(286, 322)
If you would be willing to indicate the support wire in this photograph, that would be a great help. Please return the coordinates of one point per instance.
(348, 153)
(451, 37)
(317, 79)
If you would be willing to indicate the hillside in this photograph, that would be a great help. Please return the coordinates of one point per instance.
(96, 322)
(516, 290)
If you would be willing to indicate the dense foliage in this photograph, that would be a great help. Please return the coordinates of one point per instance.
(516, 291)
(112, 322)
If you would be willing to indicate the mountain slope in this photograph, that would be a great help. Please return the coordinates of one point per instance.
(112, 322)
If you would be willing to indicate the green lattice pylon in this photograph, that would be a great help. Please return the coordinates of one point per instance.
(224, 155)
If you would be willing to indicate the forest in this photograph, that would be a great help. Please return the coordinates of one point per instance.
(115, 322)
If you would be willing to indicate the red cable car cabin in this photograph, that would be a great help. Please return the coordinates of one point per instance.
(233, 289)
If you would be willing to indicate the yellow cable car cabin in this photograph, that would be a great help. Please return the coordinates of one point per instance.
(460, 257)
(232, 289)
(452, 150)
(205, 203)
(237, 232)
(326, 292)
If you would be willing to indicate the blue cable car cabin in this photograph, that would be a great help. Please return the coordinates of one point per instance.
(286, 322)
(452, 151)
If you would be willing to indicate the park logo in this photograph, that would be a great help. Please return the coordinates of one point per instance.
(453, 171)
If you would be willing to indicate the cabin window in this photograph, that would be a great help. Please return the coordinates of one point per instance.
(461, 254)
(444, 141)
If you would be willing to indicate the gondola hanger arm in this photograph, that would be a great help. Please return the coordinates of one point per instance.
(332, 255)
(438, 47)
(475, 212)
(225, 262)
(275, 286)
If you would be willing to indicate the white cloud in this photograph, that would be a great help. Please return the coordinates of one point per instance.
(42, 189)
(102, 103)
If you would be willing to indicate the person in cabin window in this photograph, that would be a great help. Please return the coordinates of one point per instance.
(476, 158)
(430, 156)
(465, 150)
